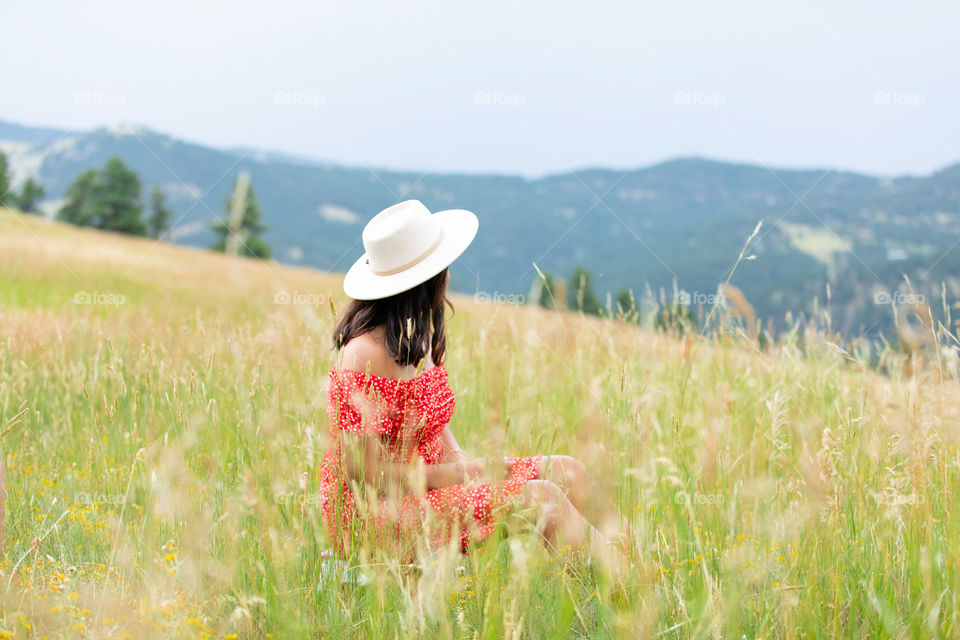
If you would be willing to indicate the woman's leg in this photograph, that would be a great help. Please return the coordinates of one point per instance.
(585, 494)
(544, 505)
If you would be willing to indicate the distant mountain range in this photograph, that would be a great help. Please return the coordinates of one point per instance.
(682, 221)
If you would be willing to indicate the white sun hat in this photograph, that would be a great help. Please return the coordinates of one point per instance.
(406, 245)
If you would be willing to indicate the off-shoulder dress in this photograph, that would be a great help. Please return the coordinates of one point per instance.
(408, 416)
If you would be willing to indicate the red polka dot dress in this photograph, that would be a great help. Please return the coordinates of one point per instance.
(408, 416)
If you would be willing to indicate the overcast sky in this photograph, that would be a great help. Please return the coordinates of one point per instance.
(519, 87)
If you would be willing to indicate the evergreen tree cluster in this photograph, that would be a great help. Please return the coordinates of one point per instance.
(110, 199)
(107, 198)
(30, 193)
(577, 293)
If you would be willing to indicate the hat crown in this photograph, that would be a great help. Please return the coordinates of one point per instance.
(400, 235)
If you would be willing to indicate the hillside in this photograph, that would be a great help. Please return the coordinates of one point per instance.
(163, 412)
(682, 221)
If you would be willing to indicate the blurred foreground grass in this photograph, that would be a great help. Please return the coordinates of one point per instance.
(162, 475)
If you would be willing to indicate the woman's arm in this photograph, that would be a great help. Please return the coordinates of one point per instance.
(365, 460)
(453, 453)
(451, 450)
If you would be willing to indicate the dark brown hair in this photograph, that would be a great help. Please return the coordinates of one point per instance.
(413, 319)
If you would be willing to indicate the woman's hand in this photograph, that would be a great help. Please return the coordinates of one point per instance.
(457, 455)
(480, 470)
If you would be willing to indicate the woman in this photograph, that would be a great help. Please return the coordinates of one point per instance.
(393, 470)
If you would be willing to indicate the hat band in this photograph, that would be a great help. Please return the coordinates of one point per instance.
(415, 261)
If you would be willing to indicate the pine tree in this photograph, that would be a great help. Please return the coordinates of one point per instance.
(160, 214)
(626, 308)
(5, 196)
(107, 199)
(251, 244)
(79, 206)
(580, 293)
(117, 199)
(675, 318)
(548, 291)
(30, 195)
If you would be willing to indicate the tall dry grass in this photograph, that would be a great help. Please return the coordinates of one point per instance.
(162, 482)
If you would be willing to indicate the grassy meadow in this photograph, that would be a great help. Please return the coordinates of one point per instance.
(163, 419)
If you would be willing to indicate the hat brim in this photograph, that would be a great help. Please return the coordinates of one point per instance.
(459, 229)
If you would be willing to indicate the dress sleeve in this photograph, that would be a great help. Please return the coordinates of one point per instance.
(357, 405)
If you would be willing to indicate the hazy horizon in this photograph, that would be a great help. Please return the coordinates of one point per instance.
(294, 156)
(531, 90)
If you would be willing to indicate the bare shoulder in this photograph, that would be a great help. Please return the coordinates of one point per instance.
(368, 350)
